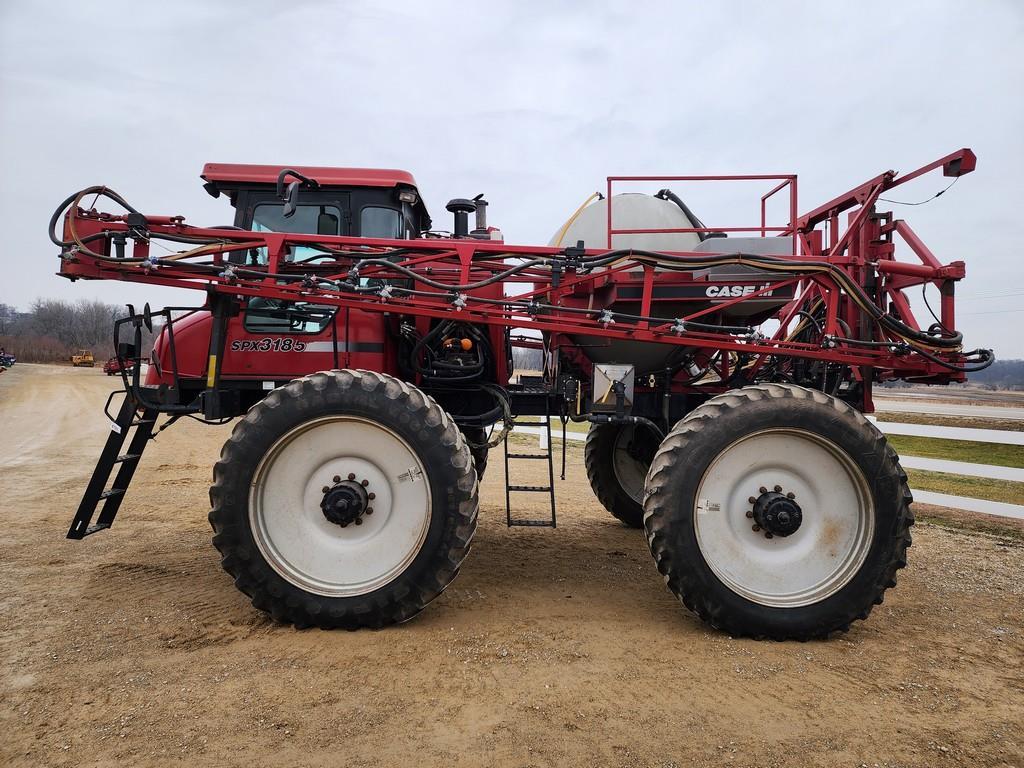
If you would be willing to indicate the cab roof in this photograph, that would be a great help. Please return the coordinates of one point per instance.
(242, 173)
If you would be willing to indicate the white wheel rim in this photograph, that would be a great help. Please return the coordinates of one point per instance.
(319, 556)
(822, 555)
(630, 474)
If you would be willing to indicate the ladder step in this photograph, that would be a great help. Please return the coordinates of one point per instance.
(126, 457)
(532, 523)
(112, 492)
(531, 488)
(96, 528)
(527, 455)
(534, 424)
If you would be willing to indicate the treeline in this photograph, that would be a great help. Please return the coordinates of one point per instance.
(52, 330)
(1002, 374)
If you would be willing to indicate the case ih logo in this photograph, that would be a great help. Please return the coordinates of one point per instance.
(735, 291)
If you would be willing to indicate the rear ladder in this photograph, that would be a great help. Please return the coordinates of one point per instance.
(128, 419)
(549, 488)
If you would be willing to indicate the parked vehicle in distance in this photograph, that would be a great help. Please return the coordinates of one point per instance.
(83, 359)
(113, 366)
(6, 361)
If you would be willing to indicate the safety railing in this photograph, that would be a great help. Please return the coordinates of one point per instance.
(784, 181)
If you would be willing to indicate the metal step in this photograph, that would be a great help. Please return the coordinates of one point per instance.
(549, 489)
(108, 501)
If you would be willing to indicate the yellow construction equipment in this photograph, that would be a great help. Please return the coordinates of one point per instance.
(83, 359)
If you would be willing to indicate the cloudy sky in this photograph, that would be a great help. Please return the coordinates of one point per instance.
(534, 103)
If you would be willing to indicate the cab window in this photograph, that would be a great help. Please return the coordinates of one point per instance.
(286, 317)
(308, 219)
(380, 222)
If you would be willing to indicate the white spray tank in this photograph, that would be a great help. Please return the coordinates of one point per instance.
(662, 211)
(629, 211)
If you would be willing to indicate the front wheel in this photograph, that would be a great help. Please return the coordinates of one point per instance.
(344, 499)
(778, 512)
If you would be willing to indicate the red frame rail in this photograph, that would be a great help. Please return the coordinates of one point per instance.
(863, 253)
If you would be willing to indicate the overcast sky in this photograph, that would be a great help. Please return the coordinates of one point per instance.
(531, 105)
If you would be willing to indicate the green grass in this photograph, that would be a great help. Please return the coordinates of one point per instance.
(972, 487)
(1012, 425)
(959, 450)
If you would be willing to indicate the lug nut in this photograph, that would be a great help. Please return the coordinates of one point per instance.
(750, 513)
(359, 521)
(351, 475)
(326, 488)
(790, 495)
(763, 489)
(369, 510)
(755, 528)
(778, 489)
(767, 534)
(365, 483)
(752, 500)
(371, 495)
(337, 478)
(343, 525)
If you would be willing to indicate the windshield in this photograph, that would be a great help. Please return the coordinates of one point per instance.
(307, 220)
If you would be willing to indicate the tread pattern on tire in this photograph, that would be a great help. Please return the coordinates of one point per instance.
(313, 395)
(659, 507)
(477, 435)
(597, 456)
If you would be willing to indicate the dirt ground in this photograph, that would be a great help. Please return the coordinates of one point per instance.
(554, 647)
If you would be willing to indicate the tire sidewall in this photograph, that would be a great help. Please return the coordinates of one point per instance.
(364, 397)
(598, 456)
(717, 431)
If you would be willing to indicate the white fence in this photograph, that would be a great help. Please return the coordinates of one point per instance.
(1003, 437)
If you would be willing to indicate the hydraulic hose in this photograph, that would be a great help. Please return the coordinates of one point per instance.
(941, 341)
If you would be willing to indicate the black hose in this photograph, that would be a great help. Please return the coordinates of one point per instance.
(668, 194)
(944, 340)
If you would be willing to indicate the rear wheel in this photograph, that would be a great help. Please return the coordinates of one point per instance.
(344, 499)
(779, 512)
(617, 457)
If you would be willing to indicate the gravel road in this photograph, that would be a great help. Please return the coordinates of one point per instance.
(553, 648)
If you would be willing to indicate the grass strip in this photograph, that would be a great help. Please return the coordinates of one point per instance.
(1006, 491)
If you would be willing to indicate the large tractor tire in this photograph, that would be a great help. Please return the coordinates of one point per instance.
(344, 499)
(617, 457)
(778, 512)
(476, 439)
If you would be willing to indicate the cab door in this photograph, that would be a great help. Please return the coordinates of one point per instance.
(274, 340)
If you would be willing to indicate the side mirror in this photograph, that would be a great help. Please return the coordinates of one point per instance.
(291, 196)
(291, 202)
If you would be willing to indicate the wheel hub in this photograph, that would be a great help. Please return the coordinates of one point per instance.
(346, 501)
(776, 513)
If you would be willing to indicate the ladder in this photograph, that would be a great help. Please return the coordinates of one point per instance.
(548, 489)
(128, 419)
